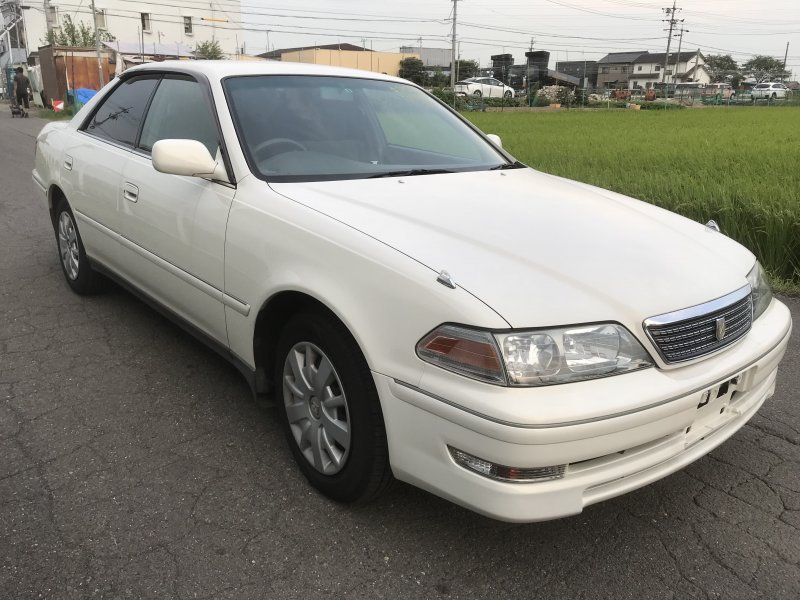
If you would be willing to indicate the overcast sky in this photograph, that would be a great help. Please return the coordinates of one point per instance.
(569, 29)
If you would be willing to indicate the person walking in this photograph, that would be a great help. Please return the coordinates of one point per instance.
(21, 89)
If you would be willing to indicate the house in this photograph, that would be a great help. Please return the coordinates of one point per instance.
(648, 69)
(614, 69)
(177, 22)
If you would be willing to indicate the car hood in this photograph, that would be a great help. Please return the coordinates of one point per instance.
(538, 249)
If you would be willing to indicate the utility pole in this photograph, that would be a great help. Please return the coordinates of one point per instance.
(97, 47)
(680, 44)
(454, 62)
(670, 12)
(528, 73)
(48, 18)
(785, 56)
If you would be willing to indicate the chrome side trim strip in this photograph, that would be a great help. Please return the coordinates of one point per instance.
(700, 309)
(593, 419)
(241, 307)
(38, 181)
(192, 280)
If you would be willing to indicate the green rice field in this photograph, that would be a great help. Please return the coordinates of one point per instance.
(737, 165)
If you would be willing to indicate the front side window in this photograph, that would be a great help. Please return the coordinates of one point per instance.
(120, 115)
(179, 111)
(145, 21)
(306, 128)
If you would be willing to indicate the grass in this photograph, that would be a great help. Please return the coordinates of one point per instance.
(46, 113)
(737, 165)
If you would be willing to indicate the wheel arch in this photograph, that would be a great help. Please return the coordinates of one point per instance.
(54, 195)
(271, 317)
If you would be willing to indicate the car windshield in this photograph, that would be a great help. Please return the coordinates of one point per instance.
(314, 128)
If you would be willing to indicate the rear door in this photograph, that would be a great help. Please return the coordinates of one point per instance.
(174, 226)
(93, 163)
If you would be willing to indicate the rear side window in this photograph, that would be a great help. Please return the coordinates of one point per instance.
(120, 115)
(179, 110)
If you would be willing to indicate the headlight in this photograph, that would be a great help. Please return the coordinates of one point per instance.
(534, 358)
(563, 355)
(762, 294)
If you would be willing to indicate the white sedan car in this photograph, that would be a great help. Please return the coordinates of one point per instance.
(487, 87)
(420, 305)
(769, 91)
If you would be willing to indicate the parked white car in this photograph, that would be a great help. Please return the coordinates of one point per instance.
(769, 91)
(421, 305)
(488, 87)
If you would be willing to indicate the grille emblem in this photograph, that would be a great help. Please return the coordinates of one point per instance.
(720, 331)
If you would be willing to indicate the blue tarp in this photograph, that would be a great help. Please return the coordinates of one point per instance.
(83, 95)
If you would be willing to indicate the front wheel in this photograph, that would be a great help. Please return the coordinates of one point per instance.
(76, 267)
(330, 411)
(477, 93)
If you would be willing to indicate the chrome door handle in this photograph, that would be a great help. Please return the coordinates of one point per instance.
(130, 192)
(68, 163)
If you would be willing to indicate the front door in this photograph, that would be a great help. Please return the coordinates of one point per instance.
(174, 226)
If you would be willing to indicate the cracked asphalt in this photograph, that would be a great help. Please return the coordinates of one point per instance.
(133, 464)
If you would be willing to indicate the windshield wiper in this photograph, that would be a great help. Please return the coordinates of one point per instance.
(514, 165)
(410, 173)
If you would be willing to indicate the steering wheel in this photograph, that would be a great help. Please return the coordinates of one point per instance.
(260, 148)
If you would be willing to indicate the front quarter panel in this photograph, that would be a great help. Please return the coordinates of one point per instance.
(387, 300)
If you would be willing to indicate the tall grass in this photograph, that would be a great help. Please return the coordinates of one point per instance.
(737, 165)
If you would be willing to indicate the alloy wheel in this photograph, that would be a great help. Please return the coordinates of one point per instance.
(316, 408)
(68, 245)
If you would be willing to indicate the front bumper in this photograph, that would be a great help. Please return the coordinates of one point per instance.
(674, 418)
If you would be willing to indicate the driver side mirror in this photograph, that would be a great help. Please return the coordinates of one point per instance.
(186, 157)
(495, 139)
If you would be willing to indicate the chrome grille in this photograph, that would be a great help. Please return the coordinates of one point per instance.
(692, 333)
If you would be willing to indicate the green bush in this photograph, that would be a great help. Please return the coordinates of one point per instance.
(661, 106)
(448, 97)
(505, 101)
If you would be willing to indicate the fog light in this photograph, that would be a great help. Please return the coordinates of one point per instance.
(504, 473)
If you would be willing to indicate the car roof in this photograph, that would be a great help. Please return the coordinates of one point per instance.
(219, 69)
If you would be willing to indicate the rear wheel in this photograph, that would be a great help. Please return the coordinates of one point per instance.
(330, 409)
(507, 94)
(76, 266)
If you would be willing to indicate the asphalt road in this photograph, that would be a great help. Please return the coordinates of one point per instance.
(133, 464)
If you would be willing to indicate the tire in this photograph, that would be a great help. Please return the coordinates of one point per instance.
(477, 93)
(71, 254)
(338, 440)
(507, 94)
(774, 96)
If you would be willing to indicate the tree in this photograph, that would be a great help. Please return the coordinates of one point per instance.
(764, 68)
(210, 50)
(438, 79)
(413, 69)
(722, 67)
(466, 69)
(78, 35)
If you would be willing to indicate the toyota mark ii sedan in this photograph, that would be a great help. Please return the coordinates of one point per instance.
(418, 304)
